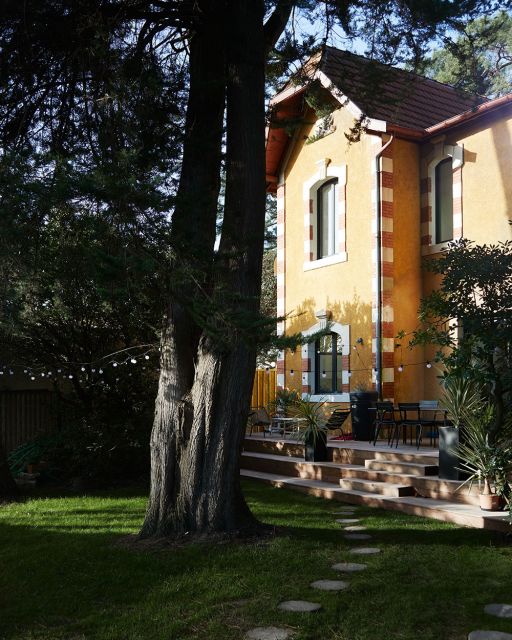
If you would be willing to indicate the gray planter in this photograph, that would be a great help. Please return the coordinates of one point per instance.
(449, 438)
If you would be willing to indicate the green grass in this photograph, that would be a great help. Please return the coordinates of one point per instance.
(63, 577)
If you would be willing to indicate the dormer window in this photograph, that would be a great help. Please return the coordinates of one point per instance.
(327, 219)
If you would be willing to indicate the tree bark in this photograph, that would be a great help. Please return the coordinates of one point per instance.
(206, 380)
(8, 488)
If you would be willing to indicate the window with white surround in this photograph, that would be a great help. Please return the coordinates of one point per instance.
(324, 216)
(327, 218)
(442, 196)
(323, 375)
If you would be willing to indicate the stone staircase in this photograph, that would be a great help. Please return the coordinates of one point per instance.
(398, 479)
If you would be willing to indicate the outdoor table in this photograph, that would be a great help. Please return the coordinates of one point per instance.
(284, 425)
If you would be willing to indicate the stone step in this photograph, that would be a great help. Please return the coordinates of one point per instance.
(425, 486)
(460, 514)
(382, 488)
(420, 457)
(291, 466)
(408, 468)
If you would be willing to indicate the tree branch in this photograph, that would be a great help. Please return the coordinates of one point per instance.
(276, 24)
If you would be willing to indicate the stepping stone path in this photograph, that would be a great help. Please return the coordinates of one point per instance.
(499, 610)
(300, 606)
(364, 551)
(357, 536)
(268, 633)
(348, 567)
(329, 585)
(348, 520)
(355, 527)
(489, 635)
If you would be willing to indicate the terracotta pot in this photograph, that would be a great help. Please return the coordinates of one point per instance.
(490, 502)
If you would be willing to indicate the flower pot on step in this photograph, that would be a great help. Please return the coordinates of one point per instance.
(490, 502)
(315, 448)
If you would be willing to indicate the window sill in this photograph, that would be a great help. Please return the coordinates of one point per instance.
(325, 262)
(430, 249)
(327, 397)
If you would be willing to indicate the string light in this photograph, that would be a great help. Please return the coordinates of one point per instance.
(429, 365)
(401, 368)
(324, 374)
(292, 372)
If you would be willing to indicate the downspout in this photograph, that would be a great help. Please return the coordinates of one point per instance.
(378, 323)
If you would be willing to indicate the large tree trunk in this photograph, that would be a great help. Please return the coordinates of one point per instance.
(8, 488)
(206, 378)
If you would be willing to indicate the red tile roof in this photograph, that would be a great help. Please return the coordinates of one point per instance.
(399, 97)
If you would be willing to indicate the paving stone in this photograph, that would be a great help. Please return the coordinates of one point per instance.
(489, 635)
(499, 610)
(348, 520)
(301, 606)
(355, 527)
(329, 585)
(364, 551)
(357, 536)
(348, 567)
(344, 511)
(268, 633)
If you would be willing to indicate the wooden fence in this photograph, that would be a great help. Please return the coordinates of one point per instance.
(264, 388)
(24, 415)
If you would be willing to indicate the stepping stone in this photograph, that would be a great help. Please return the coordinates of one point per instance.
(355, 527)
(342, 511)
(357, 536)
(348, 567)
(364, 551)
(268, 633)
(348, 520)
(489, 635)
(300, 606)
(329, 585)
(499, 610)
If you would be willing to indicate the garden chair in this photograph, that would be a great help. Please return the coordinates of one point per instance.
(409, 417)
(432, 421)
(258, 417)
(337, 420)
(384, 419)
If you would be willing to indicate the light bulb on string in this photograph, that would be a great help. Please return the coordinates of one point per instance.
(292, 373)
(146, 357)
(114, 364)
(429, 364)
(349, 373)
(401, 368)
(70, 376)
(93, 370)
(324, 374)
(133, 361)
(100, 371)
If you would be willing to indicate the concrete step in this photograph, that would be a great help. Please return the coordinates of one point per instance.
(460, 514)
(382, 488)
(291, 466)
(420, 457)
(425, 486)
(408, 468)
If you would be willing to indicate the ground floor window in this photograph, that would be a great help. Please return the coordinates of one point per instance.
(328, 364)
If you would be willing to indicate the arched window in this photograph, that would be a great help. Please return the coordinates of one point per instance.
(327, 219)
(328, 364)
(443, 201)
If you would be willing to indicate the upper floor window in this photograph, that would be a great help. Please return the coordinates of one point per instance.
(328, 364)
(327, 219)
(443, 204)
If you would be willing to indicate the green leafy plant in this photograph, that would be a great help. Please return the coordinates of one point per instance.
(312, 417)
(462, 397)
(285, 400)
(487, 459)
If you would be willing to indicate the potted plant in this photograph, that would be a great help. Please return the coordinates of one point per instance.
(461, 397)
(362, 399)
(313, 431)
(285, 400)
(488, 460)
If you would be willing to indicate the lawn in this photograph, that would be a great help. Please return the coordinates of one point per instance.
(62, 575)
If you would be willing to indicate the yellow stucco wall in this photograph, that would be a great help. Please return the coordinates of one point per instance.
(407, 285)
(486, 194)
(345, 288)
